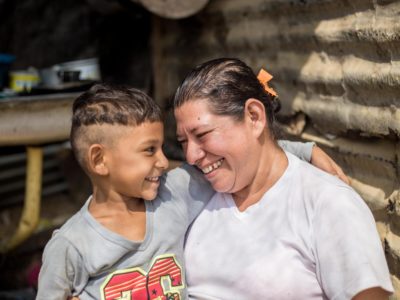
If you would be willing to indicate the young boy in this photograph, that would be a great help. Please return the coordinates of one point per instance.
(126, 242)
(121, 244)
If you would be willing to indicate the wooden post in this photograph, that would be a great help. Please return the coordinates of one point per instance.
(31, 211)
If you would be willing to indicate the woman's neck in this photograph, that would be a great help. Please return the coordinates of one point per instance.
(272, 164)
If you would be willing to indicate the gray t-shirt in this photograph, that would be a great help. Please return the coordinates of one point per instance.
(86, 259)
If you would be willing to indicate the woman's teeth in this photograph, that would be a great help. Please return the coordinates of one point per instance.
(153, 179)
(212, 167)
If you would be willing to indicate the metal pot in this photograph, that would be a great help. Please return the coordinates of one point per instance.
(49, 77)
(73, 71)
(89, 68)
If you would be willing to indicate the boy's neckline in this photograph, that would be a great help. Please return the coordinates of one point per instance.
(139, 244)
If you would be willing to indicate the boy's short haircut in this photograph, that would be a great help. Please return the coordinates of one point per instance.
(106, 104)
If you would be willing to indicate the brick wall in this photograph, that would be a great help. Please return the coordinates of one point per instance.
(337, 70)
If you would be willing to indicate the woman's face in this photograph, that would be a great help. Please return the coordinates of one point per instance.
(218, 145)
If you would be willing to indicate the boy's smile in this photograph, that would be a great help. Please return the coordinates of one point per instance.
(153, 179)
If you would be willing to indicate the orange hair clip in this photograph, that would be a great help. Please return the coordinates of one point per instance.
(264, 77)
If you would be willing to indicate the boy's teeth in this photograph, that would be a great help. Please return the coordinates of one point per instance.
(212, 167)
(154, 179)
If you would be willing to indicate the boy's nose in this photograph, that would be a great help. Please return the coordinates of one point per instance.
(162, 161)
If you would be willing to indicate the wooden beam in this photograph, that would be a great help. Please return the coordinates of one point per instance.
(35, 120)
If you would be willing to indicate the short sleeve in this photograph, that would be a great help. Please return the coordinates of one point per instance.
(349, 253)
(61, 271)
(190, 186)
(299, 149)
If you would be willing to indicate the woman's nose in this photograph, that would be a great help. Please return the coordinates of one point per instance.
(193, 152)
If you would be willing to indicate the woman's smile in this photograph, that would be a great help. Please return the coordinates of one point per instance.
(211, 167)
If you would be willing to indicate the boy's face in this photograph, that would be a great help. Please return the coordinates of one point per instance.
(135, 160)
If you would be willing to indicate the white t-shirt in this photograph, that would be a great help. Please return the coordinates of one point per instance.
(310, 237)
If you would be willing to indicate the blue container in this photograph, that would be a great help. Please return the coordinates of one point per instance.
(5, 62)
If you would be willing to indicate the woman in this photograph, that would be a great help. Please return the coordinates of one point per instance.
(277, 228)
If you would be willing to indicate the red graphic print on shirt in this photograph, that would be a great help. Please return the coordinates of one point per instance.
(162, 282)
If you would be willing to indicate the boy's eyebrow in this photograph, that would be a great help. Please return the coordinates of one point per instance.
(152, 141)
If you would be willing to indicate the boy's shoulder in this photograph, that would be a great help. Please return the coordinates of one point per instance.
(74, 229)
(185, 177)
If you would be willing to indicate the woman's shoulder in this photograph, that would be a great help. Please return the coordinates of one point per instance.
(322, 188)
(314, 176)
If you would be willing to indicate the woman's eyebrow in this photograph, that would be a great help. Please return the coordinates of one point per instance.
(199, 128)
(193, 130)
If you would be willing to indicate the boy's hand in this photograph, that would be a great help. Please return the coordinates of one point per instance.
(73, 298)
(323, 161)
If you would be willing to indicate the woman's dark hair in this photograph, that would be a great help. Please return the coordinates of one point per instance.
(226, 84)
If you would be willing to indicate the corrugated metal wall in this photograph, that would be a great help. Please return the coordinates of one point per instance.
(337, 70)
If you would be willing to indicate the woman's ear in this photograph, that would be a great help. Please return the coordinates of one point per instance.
(97, 160)
(255, 115)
